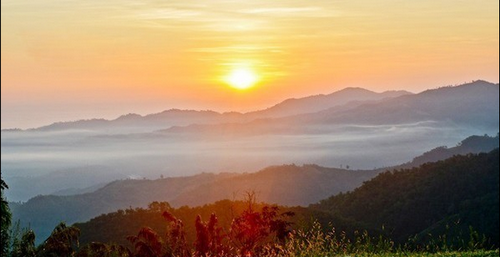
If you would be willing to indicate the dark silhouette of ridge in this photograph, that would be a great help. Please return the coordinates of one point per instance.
(474, 104)
(311, 104)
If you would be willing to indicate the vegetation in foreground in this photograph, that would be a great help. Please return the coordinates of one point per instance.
(263, 232)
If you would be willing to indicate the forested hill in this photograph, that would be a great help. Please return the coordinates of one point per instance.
(472, 144)
(285, 185)
(116, 226)
(462, 191)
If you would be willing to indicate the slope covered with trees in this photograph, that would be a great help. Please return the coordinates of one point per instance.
(311, 183)
(455, 194)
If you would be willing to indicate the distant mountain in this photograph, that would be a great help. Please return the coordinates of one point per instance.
(310, 183)
(62, 182)
(470, 145)
(79, 191)
(42, 213)
(131, 123)
(318, 103)
(272, 185)
(472, 105)
(448, 196)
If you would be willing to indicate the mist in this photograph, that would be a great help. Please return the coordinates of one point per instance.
(70, 160)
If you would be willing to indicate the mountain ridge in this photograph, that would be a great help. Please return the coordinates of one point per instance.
(319, 102)
(472, 103)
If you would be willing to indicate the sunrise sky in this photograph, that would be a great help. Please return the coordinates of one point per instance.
(68, 60)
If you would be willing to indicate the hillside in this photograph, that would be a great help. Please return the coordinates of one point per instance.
(472, 144)
(311, 183)
(44, 212)
(472, 105)
(461, 191)
(110, 227)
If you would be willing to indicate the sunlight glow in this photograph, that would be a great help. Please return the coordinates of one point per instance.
(241, 78)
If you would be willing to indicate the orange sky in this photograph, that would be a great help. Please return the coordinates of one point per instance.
(67, 60)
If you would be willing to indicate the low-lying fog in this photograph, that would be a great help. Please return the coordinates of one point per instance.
(60, 162)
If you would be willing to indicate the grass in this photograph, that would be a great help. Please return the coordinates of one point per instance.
(477, 253)
(315, 243)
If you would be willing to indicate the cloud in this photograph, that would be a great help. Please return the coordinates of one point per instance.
(305, 12)
(168, 13)
(238, 49)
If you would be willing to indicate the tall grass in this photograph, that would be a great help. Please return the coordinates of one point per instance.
(315, 242)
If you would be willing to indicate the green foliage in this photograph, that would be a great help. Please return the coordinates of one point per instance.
(25, 246)
(103, 250)
(6, 220)
(316, 242)
(62, 242)
(460, 192)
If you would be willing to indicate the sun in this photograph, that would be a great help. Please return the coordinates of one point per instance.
(241, 78)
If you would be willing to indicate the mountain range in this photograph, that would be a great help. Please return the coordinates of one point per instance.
(348, 98)
(473, 104)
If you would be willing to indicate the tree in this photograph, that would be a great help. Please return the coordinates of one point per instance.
(62, 242)
(176, 236)
(96, 249)
(209, 238)
(26, 246)
(252, 230)
(147, 243)
(6, 220)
